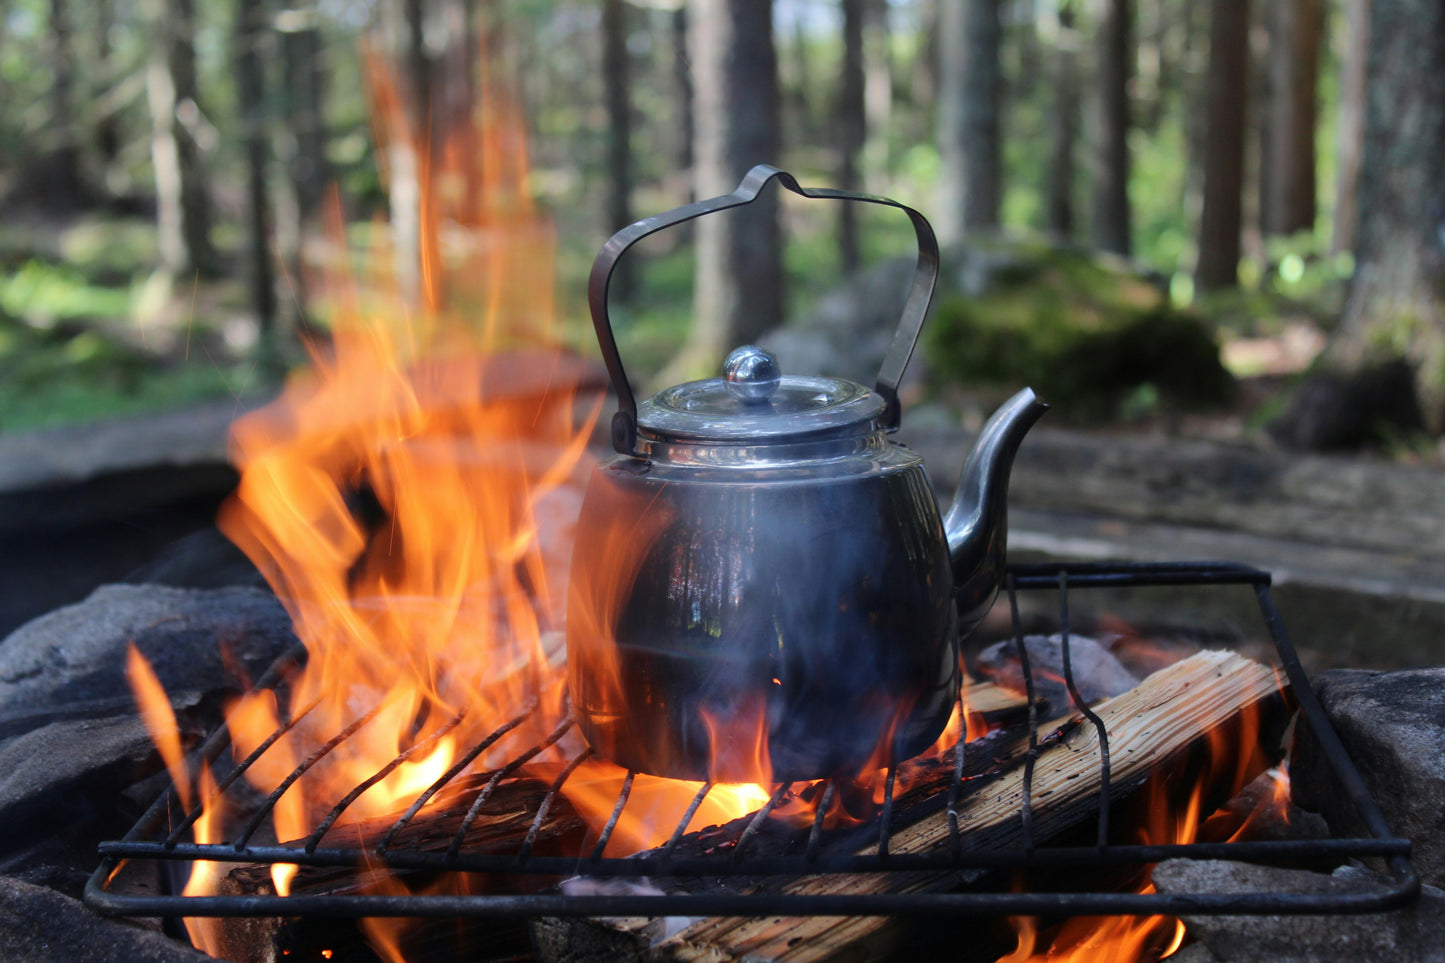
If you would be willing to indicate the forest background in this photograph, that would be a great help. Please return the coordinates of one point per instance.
(1207, 215)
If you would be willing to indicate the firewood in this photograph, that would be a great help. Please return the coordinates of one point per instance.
(1150, 728)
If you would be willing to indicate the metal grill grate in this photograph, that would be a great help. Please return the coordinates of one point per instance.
(149, 840)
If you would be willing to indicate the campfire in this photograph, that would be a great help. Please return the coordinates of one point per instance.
(412, 500)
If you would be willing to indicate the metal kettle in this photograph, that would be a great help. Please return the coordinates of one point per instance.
(762, 585)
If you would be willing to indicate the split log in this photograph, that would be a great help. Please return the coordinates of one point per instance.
(1151, 728)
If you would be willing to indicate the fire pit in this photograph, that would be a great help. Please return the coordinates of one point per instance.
(167, 831)
(419, 758)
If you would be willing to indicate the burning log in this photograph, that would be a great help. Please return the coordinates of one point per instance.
(1174, 716)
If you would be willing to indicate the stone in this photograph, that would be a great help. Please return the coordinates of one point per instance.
(70, 664)
(1414, 933)
(39, 925)
(1392, 725)
(62, 792)
(1097, 674)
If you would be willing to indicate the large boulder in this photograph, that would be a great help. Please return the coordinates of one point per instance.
(1392, 725)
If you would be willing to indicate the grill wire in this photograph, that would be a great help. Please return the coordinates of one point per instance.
(148, 839)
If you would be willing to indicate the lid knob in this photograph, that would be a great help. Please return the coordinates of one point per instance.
(751, 374)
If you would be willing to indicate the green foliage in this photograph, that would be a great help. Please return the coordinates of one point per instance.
(45, 294)
(75, 373)
(1098, 340)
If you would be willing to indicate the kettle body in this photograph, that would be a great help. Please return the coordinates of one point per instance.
(753, 623)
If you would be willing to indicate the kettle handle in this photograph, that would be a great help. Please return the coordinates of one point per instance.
(915, 308)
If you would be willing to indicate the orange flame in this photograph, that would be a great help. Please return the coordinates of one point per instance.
(160, 722)
(159, 719)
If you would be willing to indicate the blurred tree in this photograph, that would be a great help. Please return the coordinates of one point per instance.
(183, 204)
(1396, 305)
(301, 145)
(738, 291)
(796, 86)
(303, 97)
(249, 25)
(406, 122)
(850, 127)
(923, 85)
(1350, 130)
(106, 132)
(58, 183)
(617, 84)
(682, 98)
(1063, 126)
(1222, 211)
(1296, 30)
(878, 73)
(1110, 222)
(970, 100)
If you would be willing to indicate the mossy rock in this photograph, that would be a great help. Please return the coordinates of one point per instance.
(1092, 337)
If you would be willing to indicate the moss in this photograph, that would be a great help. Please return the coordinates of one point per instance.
(1100, 341)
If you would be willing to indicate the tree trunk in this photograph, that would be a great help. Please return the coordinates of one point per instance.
(851, 130)
(1110, 215)
(969, 105)
(1220, 219)
(617, 82)
(302, 149)
(925, 65)
(61, 180)
(682, 99)
(250, 25)
(1350, 134)
(106, 135)
(797, 93)
(1195, 99)
(1256, 137)
(408, 160)
(739, 287)
(304, 106)
(877, 89)
(1063, 128)
(183, 208)
(1296, 28)
(1397, 297)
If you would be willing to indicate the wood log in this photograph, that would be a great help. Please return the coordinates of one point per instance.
(1150, 727)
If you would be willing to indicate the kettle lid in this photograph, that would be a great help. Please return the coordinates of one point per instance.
(753, 402)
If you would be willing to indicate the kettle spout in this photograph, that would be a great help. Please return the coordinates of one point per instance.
(977, 522)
